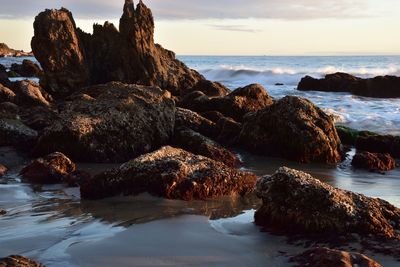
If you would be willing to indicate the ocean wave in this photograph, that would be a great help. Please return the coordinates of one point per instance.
(287, 76)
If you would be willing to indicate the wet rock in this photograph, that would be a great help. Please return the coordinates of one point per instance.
(299, 203)
(381, 86)
(349, 136)
(326, 257)
(116, 123)
(6, 94)
(293, 128)
(18, 261)
(14, 133)
(171, 173)
(190, 119)
(373, 161)
(26, 69)
(235, 105)
(198, 144)
(71, 58)
(31, 94)
(76, 178)
(380, 144)
(3, 170)
(2, 212)
(51, 169)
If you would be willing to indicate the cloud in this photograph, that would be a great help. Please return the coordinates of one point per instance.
(196, 9)
(233, 28)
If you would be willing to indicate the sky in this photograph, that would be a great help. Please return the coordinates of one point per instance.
(233, 27)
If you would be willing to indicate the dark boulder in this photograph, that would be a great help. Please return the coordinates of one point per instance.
(51, 169)
(373, 161)
(318, 257)
(171, 173)
(198, 144)
(212, 89)
(196, 122)
(14, 133)
(30, 94)
(71, 58)
(381, 86)
(4, 77)
(26, 69)
(3, 170)
(6, 94)
(299, 203)
(110, 123)
(228, 131)
(349, 136)
(18, 261)
(380, 144)
(293, 128)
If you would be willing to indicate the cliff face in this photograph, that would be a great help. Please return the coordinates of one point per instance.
(71, 58)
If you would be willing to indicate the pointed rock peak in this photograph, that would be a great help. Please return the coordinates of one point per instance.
(129, 8)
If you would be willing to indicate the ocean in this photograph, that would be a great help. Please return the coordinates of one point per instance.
(53, 225)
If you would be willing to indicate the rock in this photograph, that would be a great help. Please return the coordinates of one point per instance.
(373, 161)
(326, 257)
(190, 119)
(110, 123)
(3, 170)
(236, 104)
(26, 69)
(380, 144)
(18, 261)
(31, 94)
(72, 59)
(6, 94)
(38, 117)
(2, 212)
(349, 136)
(51, 169)
(77, 178)
(381, 86)
(229, 131)
(171, 173)
(213, 116)
(212, 89)
(6, 51)
(15, 133)
(198, 144)
(292, 128)
(4, 77)
(299, 203)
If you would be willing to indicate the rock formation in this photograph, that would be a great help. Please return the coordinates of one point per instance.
(297, 202)
(381, 86)
(292, 128)
(18, 261)
(373, 161)
(318, 257)
(26, 69)
(6, 51)
(110, 123)
(51, 169)
(171, 173)
(380, 144)
(72, 59)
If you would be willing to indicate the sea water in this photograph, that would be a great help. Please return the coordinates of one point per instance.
(53, 225)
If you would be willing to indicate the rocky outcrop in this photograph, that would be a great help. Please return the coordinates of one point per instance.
(171, 173)
(234, 105)
(326, 257)
(373, 161)
(198, 144)
(292, 128)
(51, 169)
(349, 136)
(381, 86)
(71, 58)
(3, 170)
(297, 202)
(26, 69)
(14, 133)
(380, 144)
(6, 51)
(18, 261)
(110, 123)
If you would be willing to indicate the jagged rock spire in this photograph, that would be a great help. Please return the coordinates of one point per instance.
(127, 21)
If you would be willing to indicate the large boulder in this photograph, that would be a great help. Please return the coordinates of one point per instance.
(198, 144)
(380, 144)
(14, 133)
(72, 58)
(27, 69)
(297, 202)
(293, 128)
(196, 122)
(6, 94)
(317, 257)
(373, 161)
(51, 169)
(236, 104)
(18, 261)
(381, 86)
(29, 93)
(110, 123)
(3, 170)
(171, 173)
